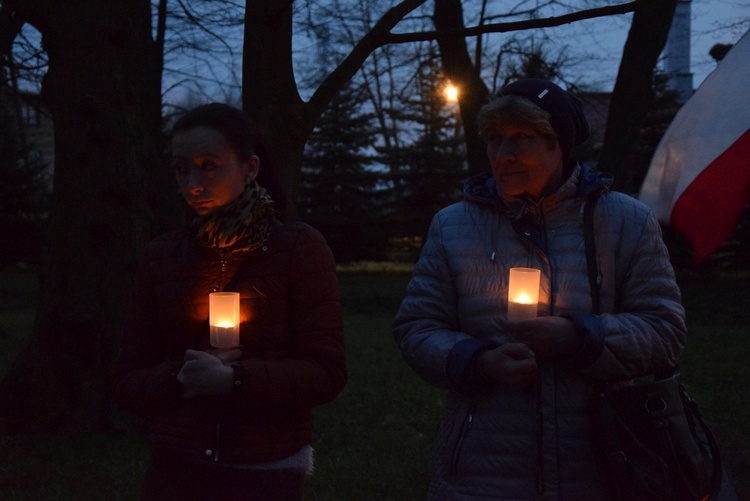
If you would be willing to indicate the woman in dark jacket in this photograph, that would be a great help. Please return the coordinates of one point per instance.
(230, 422)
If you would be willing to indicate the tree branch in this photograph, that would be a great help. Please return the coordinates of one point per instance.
(424, 36)
(376, 37)
(193, 19)
(381, 35)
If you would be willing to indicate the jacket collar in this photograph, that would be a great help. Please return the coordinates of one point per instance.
(583, 181)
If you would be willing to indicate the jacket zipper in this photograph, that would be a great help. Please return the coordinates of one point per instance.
(216, 452)
(219, 283)
(219, 287)
(465, 428)
(222, 271)
(217, 438)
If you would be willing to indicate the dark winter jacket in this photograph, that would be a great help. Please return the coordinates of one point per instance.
(534, 444)
(291, 332)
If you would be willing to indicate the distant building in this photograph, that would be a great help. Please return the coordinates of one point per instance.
(25, 118)
(596, 109)
(36, 123)
(27, 165)
(676, 57)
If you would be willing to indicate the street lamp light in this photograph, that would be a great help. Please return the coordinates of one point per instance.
(451, 93)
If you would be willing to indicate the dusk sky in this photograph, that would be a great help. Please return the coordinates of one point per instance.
(594, 46)
(712, 22)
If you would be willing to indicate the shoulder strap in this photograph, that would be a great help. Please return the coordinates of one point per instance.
(595, 278)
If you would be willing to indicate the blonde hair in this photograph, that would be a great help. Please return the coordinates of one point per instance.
(512, 109)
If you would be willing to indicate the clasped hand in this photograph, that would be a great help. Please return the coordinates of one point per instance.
(207, 372)
(547, 337)
(514, 364)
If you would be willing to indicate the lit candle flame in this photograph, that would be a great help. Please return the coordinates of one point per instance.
(523, 298)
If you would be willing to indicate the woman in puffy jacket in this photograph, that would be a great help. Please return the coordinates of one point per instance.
(515, 424)
(232, 423)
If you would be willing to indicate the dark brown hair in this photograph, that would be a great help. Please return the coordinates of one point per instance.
(245, 138)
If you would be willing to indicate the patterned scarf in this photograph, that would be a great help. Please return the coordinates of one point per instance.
(240, 226)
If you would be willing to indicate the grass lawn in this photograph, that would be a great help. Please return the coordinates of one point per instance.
(373, 442)
(715, 366)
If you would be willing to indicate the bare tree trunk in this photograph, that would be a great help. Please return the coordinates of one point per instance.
(458, 67)
(110, 188)
(269, 89)
(633, 94)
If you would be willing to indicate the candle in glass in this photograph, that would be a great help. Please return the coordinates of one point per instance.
(224, 319)
(523, 293)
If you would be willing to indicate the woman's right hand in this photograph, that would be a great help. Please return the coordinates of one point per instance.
(511, 365)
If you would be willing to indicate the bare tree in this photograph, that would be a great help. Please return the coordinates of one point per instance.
(271, 96)
(202, 45)
(633, 94)
(462, 71)
(103, 89)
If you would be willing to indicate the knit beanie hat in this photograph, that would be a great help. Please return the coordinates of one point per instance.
(566, 113)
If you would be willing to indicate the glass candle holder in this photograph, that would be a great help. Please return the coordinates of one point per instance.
(224, 319)
(523, 293)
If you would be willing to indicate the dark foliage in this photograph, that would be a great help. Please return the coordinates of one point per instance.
(338, 191)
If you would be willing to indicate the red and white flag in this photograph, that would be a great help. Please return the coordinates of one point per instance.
(699, 178)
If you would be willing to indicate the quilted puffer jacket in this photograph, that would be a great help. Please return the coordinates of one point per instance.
(291, 332)
(534, 443)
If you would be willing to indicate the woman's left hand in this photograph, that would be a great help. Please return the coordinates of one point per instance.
(548, 337)
(204, 374)
(227, 356)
